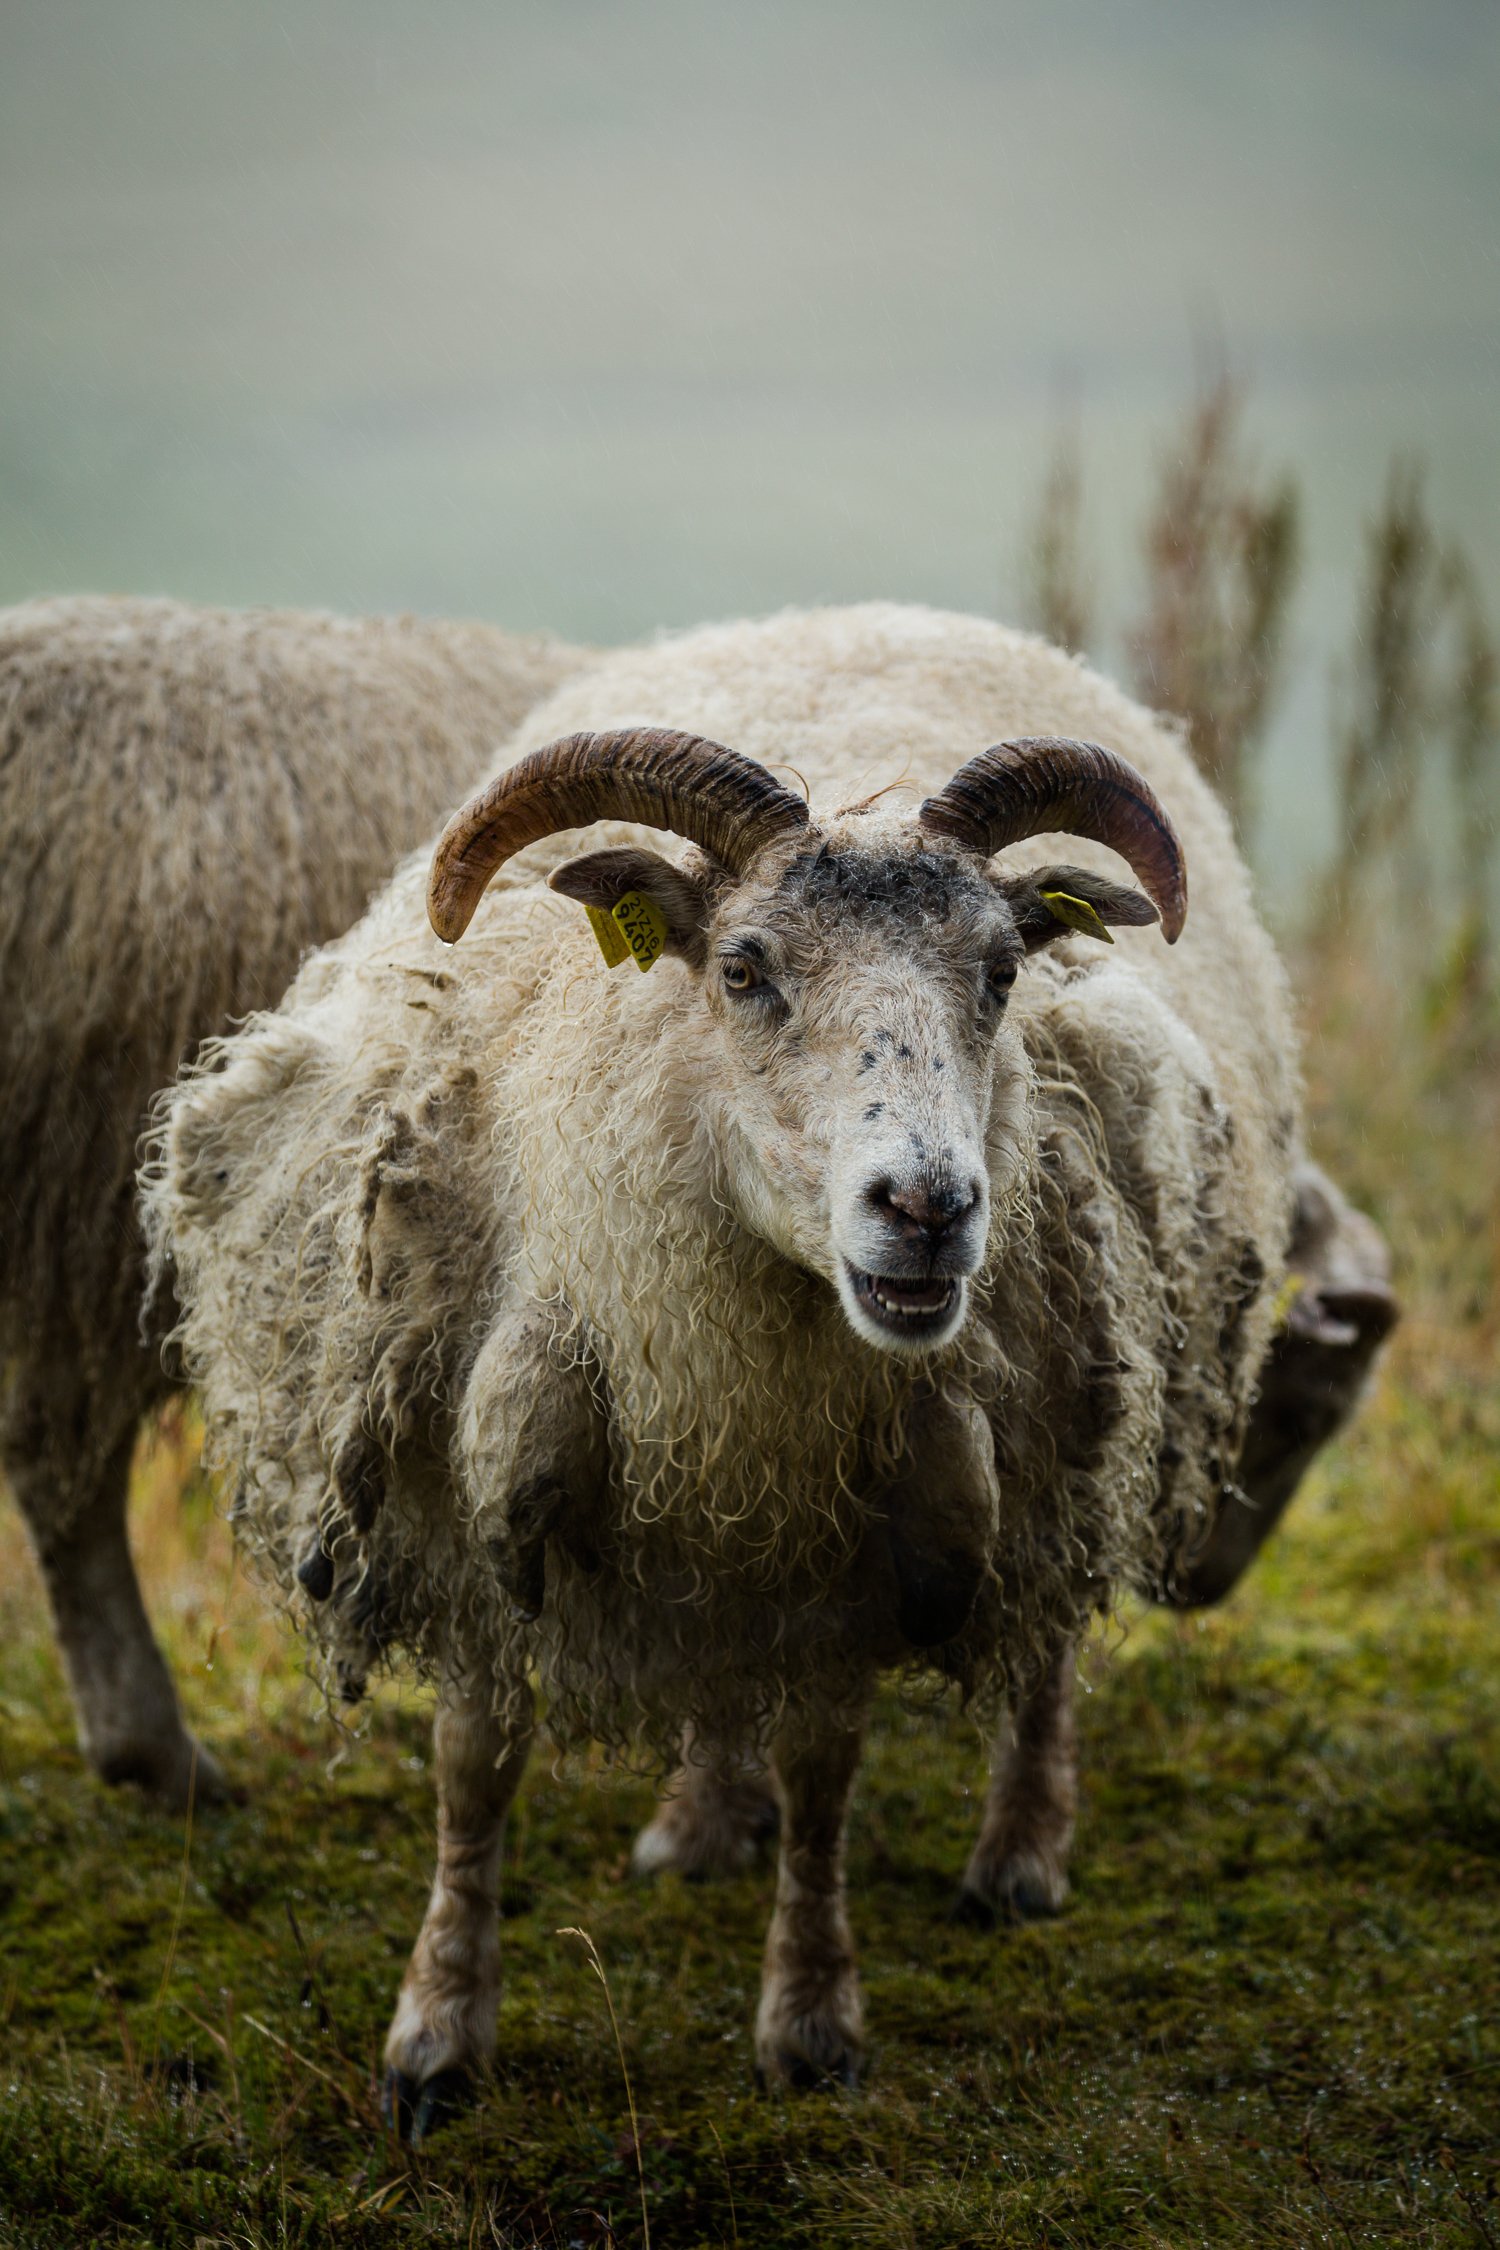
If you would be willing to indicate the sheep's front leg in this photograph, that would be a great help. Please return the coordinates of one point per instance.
(809, 2028)
(1019, 1866)
(443, 2034)
(714, 1818)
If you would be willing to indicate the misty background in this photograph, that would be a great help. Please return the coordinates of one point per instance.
(607, 318)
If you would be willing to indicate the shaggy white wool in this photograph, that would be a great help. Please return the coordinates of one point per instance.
(440, 1195)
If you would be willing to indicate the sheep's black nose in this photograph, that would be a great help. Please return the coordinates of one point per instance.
(929, 1207)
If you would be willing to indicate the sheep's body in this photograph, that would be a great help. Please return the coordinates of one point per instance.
(420, 1133)
(189, 800)
(449, 1217)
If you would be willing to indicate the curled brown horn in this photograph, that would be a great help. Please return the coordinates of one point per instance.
(697, 788)
(1046, 786)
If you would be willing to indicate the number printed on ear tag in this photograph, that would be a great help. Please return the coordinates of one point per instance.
(643, 925)
(1077, 913)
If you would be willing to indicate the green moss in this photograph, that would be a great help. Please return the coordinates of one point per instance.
(1266, 2017)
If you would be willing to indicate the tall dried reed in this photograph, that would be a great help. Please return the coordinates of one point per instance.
(1417, 697)
(1474, 735)
(1221, 557)
(1056, 594)
(1390, 682)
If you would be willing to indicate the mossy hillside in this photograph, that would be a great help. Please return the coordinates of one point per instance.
(1268, 2016)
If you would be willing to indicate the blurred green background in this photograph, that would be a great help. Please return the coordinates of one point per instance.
(610, 317)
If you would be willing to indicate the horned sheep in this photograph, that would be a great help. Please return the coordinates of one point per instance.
(880, 1283)
(189, 800)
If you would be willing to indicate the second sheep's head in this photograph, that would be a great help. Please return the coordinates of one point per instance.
(853, 975)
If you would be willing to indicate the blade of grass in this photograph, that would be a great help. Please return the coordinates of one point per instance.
(635, 2129)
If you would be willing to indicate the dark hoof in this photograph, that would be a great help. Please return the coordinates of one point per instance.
(413, 2110)
(794, 2074)
(1022, 1900)
(746, 1820)
(177, 1773)
(971, 1912)
(759, 1827)
(1027, 1901)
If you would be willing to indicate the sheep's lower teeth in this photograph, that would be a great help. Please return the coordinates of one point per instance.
(928, 1304)
(916, 1301)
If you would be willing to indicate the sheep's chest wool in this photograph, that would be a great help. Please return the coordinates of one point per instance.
(879, 1281)
(749, 1433)
(433, 1134)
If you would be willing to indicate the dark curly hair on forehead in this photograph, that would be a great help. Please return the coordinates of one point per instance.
(930, 883)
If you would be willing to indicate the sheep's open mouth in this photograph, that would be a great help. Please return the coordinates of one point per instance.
(906, 1306)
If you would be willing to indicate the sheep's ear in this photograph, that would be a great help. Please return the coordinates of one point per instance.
(601, 880)
(1048, 902)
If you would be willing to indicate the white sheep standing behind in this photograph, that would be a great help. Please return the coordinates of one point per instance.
(189, 800)
(879, 1282)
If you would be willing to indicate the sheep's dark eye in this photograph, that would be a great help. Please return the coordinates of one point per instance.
(999, 978)
(740, 975)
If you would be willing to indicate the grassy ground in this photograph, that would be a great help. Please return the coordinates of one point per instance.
(1269, 2015)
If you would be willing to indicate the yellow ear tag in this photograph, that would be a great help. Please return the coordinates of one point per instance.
(635, 928)
(1077, 913)
(644, 926)
(611, 938)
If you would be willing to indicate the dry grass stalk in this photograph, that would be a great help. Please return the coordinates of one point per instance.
(1391, 678)
(614, 2023)
(1474, 738)
(1424, 680)
(1055, 594)
(1221, 559)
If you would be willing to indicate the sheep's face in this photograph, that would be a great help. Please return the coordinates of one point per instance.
(864, 1091)
(857, 992)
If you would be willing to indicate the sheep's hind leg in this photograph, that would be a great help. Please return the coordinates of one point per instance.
(809, 2027)
(129, 1723)
(442, 2037)
(1019, 1867)
(714, 1818)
